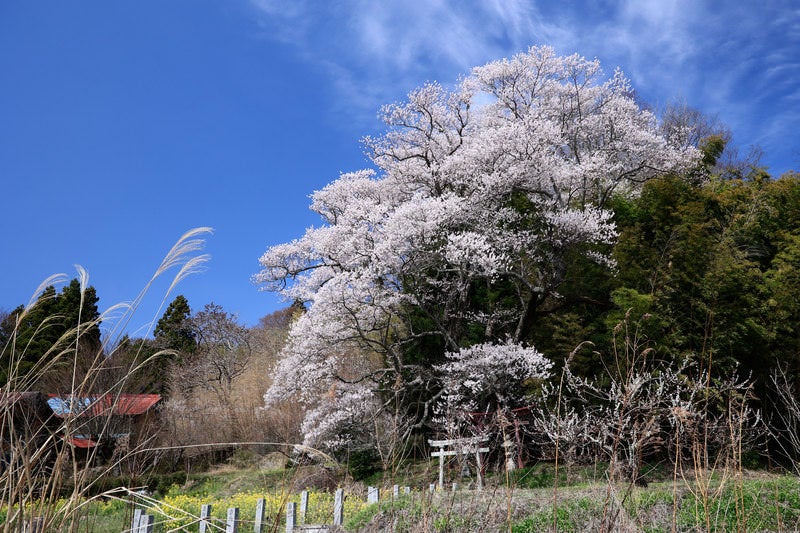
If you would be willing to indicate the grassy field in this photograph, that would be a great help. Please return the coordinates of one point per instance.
(528, 501)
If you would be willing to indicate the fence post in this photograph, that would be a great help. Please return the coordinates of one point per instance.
(232, 523)
(259, 521)
(205, 515)
(478, 469)
(373, 494)
(291, 516)
(146, 522)
(303, 506)
(338, 508)
(34, 525)
(135, 521)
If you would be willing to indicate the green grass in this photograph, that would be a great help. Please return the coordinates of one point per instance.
(764, 504)
(226, 480)
(542, 520)
(757, 502)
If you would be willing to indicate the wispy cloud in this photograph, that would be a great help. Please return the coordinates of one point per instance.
(737, 60)
(391, 47)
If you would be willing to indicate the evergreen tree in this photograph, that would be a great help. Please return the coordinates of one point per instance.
(173, 330)
(718, 261)
(68, 320)
(175, 334)
(72, 312)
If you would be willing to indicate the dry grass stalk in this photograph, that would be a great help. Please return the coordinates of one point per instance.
(42, 479)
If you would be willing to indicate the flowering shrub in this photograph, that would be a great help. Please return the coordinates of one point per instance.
(490, 375)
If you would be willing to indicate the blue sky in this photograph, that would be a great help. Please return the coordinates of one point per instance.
(124, 124)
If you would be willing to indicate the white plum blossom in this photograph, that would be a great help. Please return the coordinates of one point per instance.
(488, 187)
(490, 376)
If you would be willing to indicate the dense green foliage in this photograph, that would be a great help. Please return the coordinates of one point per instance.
(57, 321)
(714, 265)
(173, 330)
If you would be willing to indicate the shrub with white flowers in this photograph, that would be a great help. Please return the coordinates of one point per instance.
(489, 379)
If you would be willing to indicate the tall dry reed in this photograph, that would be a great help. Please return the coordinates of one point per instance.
(45, 483)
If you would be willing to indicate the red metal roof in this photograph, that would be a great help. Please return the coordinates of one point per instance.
(81, 442)
(116, 405)
(133, 404)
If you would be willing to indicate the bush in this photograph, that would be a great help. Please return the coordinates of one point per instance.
(363, 463)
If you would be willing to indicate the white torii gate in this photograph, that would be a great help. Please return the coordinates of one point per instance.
(463, 446)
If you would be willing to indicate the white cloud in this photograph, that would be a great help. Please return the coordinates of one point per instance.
(734, 59)
(396, 45)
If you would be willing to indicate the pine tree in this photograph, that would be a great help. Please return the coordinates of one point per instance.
(173, 330)
(58, 321)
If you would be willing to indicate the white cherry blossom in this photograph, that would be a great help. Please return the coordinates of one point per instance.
(491, 185)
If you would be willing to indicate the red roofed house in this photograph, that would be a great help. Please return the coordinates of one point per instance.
(107, 423)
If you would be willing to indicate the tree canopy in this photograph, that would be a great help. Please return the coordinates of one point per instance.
(464, 233)
(68, 319)
(173, 330)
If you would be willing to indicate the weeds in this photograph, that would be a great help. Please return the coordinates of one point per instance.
(43, 480)
(702, 428)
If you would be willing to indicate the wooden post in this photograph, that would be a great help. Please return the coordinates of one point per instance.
(441, 469)
(135, 522)
(259, 521)
(373, 495)
(205, 515)
(232, 522)
(338, 508)
(146, 522)
(303, 506)
(479, 467)
(291, 516)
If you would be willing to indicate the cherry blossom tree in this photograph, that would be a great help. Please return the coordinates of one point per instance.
(461, 233)
(486, 381)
